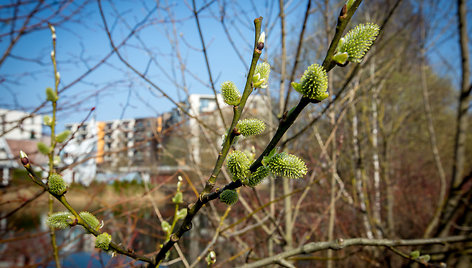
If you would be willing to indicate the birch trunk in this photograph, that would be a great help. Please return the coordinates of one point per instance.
(375, 150)
(359, 169)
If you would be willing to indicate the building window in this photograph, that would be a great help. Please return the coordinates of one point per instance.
(205, 104)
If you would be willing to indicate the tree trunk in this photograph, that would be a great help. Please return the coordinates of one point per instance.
(359, 168)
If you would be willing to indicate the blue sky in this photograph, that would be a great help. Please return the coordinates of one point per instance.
(82, 44)
(112, 88)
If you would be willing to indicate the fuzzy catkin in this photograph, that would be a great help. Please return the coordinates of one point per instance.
(250, 127)
(90, 219)
(287, 165)
(103, 241)
(60, 220)
(57, 184)
(257, 177)
(238, 164)
(314, 83)
(230, 92)
(61, 137)
(229, 197)
(261, 75)
(358, 41)
(43, 148)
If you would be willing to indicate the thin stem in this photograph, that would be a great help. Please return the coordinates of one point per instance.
(62, 199)
(297, 54)
(174, 221)
(53, 143)
(143, 76)
(207, 62)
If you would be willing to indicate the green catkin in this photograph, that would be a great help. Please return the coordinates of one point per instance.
(57, 184)
(257, 177)
(250, 127)
(238, 164)
(61, 137)
(103, 241)
(47, 120)
(229, 197)
(358, 41)
(260, 78)
(314, 83)
(43, 148)
(90, 219)
(51, 95)
(60, 220)
(231, 94)
(287, 165)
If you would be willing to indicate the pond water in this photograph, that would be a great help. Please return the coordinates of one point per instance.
(30, 244)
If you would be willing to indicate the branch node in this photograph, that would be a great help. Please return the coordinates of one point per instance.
(343, 13)
(174, 238)
(188, 226)
(236, 132)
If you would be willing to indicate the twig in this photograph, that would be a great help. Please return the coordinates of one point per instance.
(213, 240)
(340, 244)
(297, 54)
(23, 204)
(53, 143)
(155, 86)
(205, 54)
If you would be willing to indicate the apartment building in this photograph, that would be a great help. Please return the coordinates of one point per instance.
(158, 145)
(19, 125)
(119, 145)
(204, 107)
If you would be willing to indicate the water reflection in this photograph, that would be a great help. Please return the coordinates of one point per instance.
(26, 241)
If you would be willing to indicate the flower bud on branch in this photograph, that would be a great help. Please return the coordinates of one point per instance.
(314, 83)
(61, 137)
(57, 185)
(90, 219)
(231, 94)
(356, 43)
(287, 165)
(24, 159)
(229, 197)
(60, 220)
(103, 241)
(256, 177)
(261, 75)
(51, 95)
(238, 164)
(250, 127)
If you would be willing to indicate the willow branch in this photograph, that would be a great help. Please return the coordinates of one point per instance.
(62, 199)
(206, 195)
(328, 64)
(353, 73)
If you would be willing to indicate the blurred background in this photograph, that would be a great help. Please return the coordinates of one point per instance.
(389, 153)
